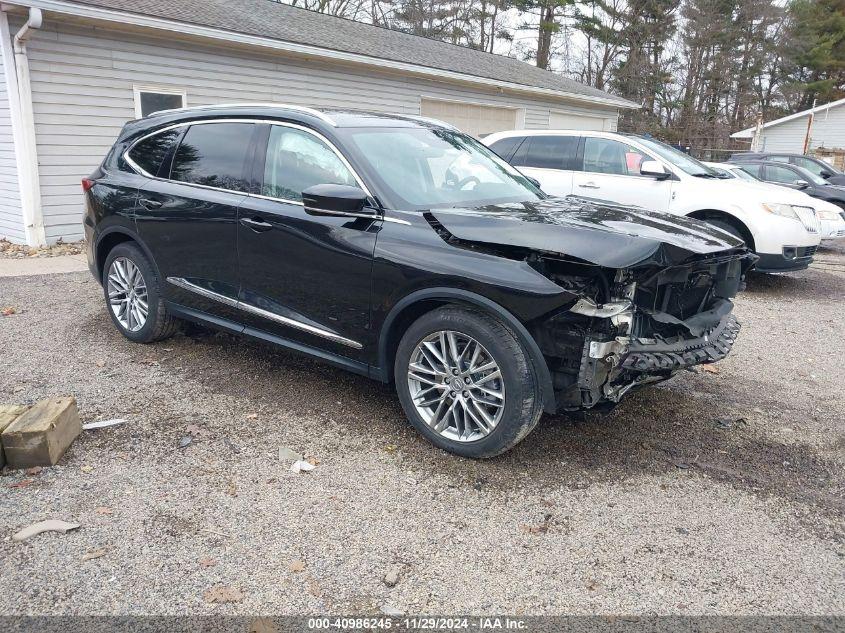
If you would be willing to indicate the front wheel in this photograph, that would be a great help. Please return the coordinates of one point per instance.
(466, 382)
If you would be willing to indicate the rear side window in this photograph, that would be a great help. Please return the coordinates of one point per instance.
(551, 152)
(214, 155)
(149, 153)
(506, 146)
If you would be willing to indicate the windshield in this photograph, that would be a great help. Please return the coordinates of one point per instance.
(422, 168)
(676, 157)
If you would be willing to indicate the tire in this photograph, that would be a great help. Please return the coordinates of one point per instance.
(158, 324)
(517, 384)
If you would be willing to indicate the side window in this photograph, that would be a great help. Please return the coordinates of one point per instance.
(754, 170)
(214, 154)
(297, 160)
(506, 146)
(551, 152)
(775, 173)
(149, 153)
(607, 156)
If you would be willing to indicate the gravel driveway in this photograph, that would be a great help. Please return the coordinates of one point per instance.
(713, 493)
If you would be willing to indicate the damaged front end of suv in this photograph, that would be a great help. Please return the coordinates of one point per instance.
(647, 294)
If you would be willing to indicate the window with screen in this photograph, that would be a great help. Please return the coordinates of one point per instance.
(551, 152)
(607, 156)
(214, 155)
(151, 100)
(149, 153)
(297, 160)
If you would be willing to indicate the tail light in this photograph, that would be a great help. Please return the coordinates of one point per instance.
(87, 183)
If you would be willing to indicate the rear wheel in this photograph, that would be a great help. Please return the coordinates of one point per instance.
(133, 296)
(466, 382)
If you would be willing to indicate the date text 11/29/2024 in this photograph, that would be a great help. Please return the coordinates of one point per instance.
(418, 623)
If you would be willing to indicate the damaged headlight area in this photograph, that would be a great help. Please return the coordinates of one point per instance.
(636, 326)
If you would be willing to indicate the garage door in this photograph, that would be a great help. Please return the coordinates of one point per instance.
(568, 121)
(478, 120)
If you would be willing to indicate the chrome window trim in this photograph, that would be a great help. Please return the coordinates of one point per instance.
(181, 124)
(142, 172)
(183, 283)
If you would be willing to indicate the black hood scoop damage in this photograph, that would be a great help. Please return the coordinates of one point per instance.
(653, 290)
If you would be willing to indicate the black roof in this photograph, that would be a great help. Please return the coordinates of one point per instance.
(270, 19)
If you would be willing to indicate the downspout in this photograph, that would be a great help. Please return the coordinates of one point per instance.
(23, 124)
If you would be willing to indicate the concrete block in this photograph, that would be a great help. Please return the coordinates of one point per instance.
(8, 414)
(41, 435)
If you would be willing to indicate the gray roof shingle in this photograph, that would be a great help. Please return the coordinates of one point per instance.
(268, 19)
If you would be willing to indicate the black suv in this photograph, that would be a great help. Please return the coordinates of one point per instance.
(815, 166)
(406, 251)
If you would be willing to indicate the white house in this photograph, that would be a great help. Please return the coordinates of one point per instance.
(77, 70)
(788, 134)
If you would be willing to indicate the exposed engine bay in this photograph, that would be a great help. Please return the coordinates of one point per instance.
(636, 326)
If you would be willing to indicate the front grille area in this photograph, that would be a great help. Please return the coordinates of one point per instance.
(808, 218)
(807, 251)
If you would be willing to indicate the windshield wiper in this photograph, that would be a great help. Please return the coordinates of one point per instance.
(706, 175)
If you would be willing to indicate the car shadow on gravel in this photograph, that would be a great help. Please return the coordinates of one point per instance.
(658, 431)
(796, 286)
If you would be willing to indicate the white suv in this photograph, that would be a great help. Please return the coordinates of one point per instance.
(636, 170)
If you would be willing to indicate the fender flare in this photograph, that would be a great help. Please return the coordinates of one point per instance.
(456, 295)
(132, 235)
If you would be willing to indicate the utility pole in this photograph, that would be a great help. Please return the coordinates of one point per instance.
(809, 128)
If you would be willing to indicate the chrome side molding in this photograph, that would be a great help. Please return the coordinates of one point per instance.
(180, 282)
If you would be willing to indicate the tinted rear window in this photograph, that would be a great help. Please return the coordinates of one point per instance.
(214, 154)
(551, 152)
(505, 147)
(149, 153)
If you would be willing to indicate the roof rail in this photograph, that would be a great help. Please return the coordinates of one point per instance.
(428, 119)
(220, 106)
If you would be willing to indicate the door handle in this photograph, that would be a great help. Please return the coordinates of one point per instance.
(151, 204)
(256, 224)
(589, 185)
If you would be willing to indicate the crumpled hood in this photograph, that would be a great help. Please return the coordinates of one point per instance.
(597, 231)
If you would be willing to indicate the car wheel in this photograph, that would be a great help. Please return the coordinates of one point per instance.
(466, 382)
(133, 296)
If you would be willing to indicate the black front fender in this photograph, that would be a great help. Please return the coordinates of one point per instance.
(455, 295)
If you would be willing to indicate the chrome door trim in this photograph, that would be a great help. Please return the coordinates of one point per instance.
(299, 325)
(266, 314)
(203, 292)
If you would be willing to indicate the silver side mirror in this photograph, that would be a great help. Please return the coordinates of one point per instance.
(801, 184)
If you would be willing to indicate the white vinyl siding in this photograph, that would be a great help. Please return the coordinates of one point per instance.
(11, 214)
(82, 84)
(828, 131)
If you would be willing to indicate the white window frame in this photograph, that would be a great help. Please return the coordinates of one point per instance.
(137, 90)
